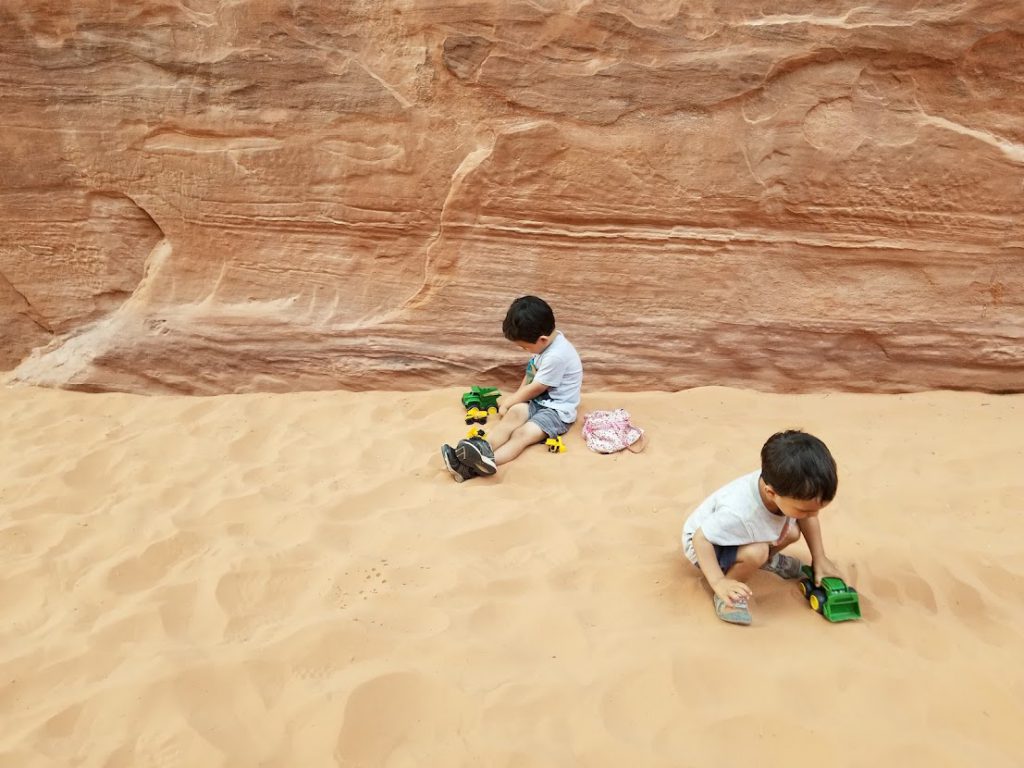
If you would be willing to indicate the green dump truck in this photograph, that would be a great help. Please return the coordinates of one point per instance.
(482, 398)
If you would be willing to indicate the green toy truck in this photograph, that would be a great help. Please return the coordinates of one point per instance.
(833, 599)
(480, 402)
(482, 398)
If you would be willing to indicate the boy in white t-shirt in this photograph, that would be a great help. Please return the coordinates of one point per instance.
(745, 525)
(544, 405)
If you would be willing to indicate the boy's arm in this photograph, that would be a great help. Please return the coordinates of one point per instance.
(503, 398)
(726, 588)
(822, 566)
(524, 394)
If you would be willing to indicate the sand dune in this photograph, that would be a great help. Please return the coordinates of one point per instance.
(292, 580)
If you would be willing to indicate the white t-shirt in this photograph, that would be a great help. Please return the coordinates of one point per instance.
(733, 515)
(559, 368)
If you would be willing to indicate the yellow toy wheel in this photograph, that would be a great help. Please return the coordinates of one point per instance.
(493, 411)
(815, 605)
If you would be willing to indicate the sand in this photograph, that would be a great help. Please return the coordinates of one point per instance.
(293, 580)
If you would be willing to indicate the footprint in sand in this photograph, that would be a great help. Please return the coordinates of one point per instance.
(524, 536)
(28, 538)
(322, 651)
(155, 563)
(199, 410)
(625, 707)
(163, 750)
(978, 608)
(998, 579)
(270, 677)
(398, 708)
(261, 594)
(94, 469)
(920, 591)
(177, 608)
(357, 583)
(256, 446)
(63, 724)
(904, 581)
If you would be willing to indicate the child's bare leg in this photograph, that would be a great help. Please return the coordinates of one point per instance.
(526, 435)
(514, 418)
(749, 558)
(479, 455)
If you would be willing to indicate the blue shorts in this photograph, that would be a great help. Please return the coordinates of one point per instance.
(726, 556)
(547, 419)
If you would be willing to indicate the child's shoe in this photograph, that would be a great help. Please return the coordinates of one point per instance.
(476, 453)
(451, 462)
(785, 566)
(737, 613)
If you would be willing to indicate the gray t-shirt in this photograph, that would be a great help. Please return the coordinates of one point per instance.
(733, 515)
(559, 368)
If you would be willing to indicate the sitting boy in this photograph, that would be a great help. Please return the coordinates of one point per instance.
(544, 405)
(745, 525)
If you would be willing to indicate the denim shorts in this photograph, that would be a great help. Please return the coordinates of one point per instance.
(547, 419)
(726, 556)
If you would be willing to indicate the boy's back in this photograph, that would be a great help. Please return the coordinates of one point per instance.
(560, 368)
(733, 515)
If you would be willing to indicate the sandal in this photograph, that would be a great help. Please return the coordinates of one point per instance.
(737, 613)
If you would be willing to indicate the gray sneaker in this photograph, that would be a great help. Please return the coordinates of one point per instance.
(476, 454)
(451, 462)
(785, 566)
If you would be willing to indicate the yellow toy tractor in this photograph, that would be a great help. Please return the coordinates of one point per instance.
(555, 445)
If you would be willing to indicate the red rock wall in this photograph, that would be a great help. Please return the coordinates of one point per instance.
(207, 196)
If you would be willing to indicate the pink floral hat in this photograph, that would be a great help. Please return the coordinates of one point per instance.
(612, 431)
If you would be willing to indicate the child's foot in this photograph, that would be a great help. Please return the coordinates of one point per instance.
(451, 462)
(783, 565)
(737, 613)
(476, 453)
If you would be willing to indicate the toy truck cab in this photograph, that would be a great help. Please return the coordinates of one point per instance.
(833, 598)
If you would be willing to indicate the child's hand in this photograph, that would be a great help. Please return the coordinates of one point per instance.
(502, 409)
(824, 567)
(731, 590)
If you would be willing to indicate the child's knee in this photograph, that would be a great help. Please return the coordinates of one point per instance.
(756, 554)
(528, 434)
(519, 410)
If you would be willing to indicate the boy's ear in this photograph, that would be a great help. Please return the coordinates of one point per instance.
(545, 340)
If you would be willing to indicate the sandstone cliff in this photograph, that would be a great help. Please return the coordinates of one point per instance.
(212, 195)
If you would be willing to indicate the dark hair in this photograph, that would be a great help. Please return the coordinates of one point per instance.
(528, 319)
(799, 465)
